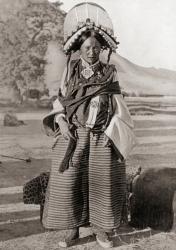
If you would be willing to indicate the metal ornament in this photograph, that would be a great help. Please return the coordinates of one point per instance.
(87, 73)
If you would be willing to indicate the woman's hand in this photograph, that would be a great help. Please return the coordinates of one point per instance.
(64, 129)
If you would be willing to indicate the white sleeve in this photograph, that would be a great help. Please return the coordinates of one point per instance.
(57, 117)
(63, 80)
(56, 104)
(120, 129)
(115, 78)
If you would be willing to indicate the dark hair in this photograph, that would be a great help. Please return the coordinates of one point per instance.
(85, 35)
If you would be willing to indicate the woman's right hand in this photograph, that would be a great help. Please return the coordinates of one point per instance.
(64, 129)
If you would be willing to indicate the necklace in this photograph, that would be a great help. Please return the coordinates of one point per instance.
(88, 71)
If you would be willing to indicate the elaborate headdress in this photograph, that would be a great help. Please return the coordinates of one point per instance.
(87, 16)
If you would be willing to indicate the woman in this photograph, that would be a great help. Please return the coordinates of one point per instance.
(93, 134)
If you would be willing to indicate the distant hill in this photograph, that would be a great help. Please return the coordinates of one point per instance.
(141, 80)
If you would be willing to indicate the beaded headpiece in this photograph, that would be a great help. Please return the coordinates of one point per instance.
(87, 16)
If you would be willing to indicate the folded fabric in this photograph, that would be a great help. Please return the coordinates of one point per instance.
(120, 129)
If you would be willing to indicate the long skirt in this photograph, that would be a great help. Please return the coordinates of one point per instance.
(92, 190)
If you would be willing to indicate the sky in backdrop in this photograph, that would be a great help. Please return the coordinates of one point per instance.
(146, 29)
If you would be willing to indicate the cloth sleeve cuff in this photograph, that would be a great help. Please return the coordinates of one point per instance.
(57, 117)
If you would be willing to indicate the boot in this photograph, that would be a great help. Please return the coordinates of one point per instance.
(69, 237)
(104, 240)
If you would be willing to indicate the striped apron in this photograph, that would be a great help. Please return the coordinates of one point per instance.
(91, 190)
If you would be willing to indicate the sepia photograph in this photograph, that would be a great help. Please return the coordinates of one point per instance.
(87, 124)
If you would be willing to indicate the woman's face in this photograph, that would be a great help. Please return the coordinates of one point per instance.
(90, 50)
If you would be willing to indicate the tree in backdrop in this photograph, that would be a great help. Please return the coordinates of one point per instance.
(23, 45)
